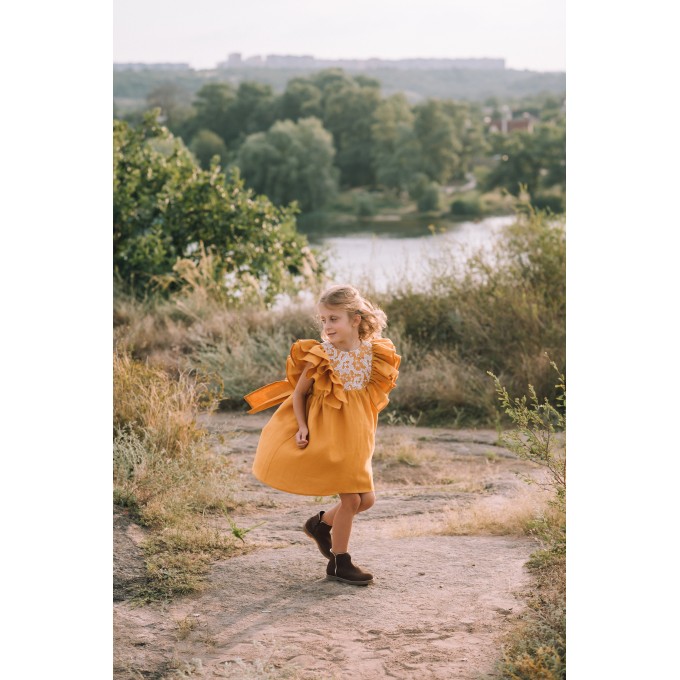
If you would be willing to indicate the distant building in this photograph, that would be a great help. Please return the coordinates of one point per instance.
(308, 61)
(255, 60)
(293, 61)
(506, 123)
(129, 66)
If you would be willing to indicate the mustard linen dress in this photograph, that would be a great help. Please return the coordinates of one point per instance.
(350, 388)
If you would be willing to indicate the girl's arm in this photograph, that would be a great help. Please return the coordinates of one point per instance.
(299, 404)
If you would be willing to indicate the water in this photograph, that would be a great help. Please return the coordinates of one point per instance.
(384, 257)
(381, 254)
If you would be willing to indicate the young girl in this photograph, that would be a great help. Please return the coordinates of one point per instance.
(320, 440)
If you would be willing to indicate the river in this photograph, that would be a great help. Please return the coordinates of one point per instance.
(386, 253)
(381, 254)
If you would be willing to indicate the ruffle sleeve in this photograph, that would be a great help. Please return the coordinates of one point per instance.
(324, 378)
(384, 372)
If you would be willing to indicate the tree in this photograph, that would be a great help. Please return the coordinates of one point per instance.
(348, 114)
(207, 144)
(253, 109)
(440, 145)
(165, 207)
(535, 159)
(213, 104)
(469, 129)
(292, 161)
(301, 99)
(395, 150)
(170, 98)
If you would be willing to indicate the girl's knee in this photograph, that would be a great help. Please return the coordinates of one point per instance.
(367, 500)
(352, 501)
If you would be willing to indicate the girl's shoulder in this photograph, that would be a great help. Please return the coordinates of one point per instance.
(306, 350)
(384, 346)
(305, 345)
(384, 372)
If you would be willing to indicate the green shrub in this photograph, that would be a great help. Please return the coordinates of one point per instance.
(205, 144)
(553, 202)
(467, 207)
(165, 207)
(364, 205)
(536, 648)
(429, 198)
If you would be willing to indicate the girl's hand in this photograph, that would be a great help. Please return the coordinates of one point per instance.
(301, 437)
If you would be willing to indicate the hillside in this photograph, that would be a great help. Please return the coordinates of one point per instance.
(130, 88)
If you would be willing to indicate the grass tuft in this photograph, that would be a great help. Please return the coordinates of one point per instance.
(167, 477)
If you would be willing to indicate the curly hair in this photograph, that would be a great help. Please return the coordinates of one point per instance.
(347, 298)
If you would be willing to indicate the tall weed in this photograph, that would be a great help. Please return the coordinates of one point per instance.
(537, 647)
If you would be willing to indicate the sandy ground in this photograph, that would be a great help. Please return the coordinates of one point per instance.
(438, 607)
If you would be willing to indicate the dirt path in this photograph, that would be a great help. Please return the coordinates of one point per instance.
(437, 608)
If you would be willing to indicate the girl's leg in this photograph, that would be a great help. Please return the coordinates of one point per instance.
(342, 522)
(343, 515)
(367, 500)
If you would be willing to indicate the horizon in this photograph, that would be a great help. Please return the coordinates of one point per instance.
(245, 57)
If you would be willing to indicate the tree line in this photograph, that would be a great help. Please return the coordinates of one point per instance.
(331, 131)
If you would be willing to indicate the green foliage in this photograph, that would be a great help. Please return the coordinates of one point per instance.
(291, 162)
(213, 104)
(172, 99)
(206, 144)
(533, 437)
(429, 198)
(164, 207)
(395, 149)
(535, 159)
(537, 648)
(241, 532)
(348, 114)
(364, 205)
(418, 184)
(514, 85)
(439, 141)
(553, 202)
(467, 207)
(233, 114)
(301, 99)
(378, 141)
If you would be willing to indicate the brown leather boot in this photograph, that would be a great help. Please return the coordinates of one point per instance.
(320, 532)
(340, 568)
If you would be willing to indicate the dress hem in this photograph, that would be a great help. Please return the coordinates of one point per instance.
(305, 493)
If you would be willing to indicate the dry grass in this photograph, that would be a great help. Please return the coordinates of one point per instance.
(185, 626)
(147, 400)
(168, 477)
(514, 516)
(270, 664)
(536, 647)
(401, 449)
(483, 516)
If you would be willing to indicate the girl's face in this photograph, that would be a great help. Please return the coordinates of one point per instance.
(341, 329)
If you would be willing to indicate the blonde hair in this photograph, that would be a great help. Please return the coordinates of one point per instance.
(348, 299)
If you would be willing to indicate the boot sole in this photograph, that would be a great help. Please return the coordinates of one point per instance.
(331, 577)
(304, 528)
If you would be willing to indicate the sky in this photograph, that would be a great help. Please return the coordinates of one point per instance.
(528, 34)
